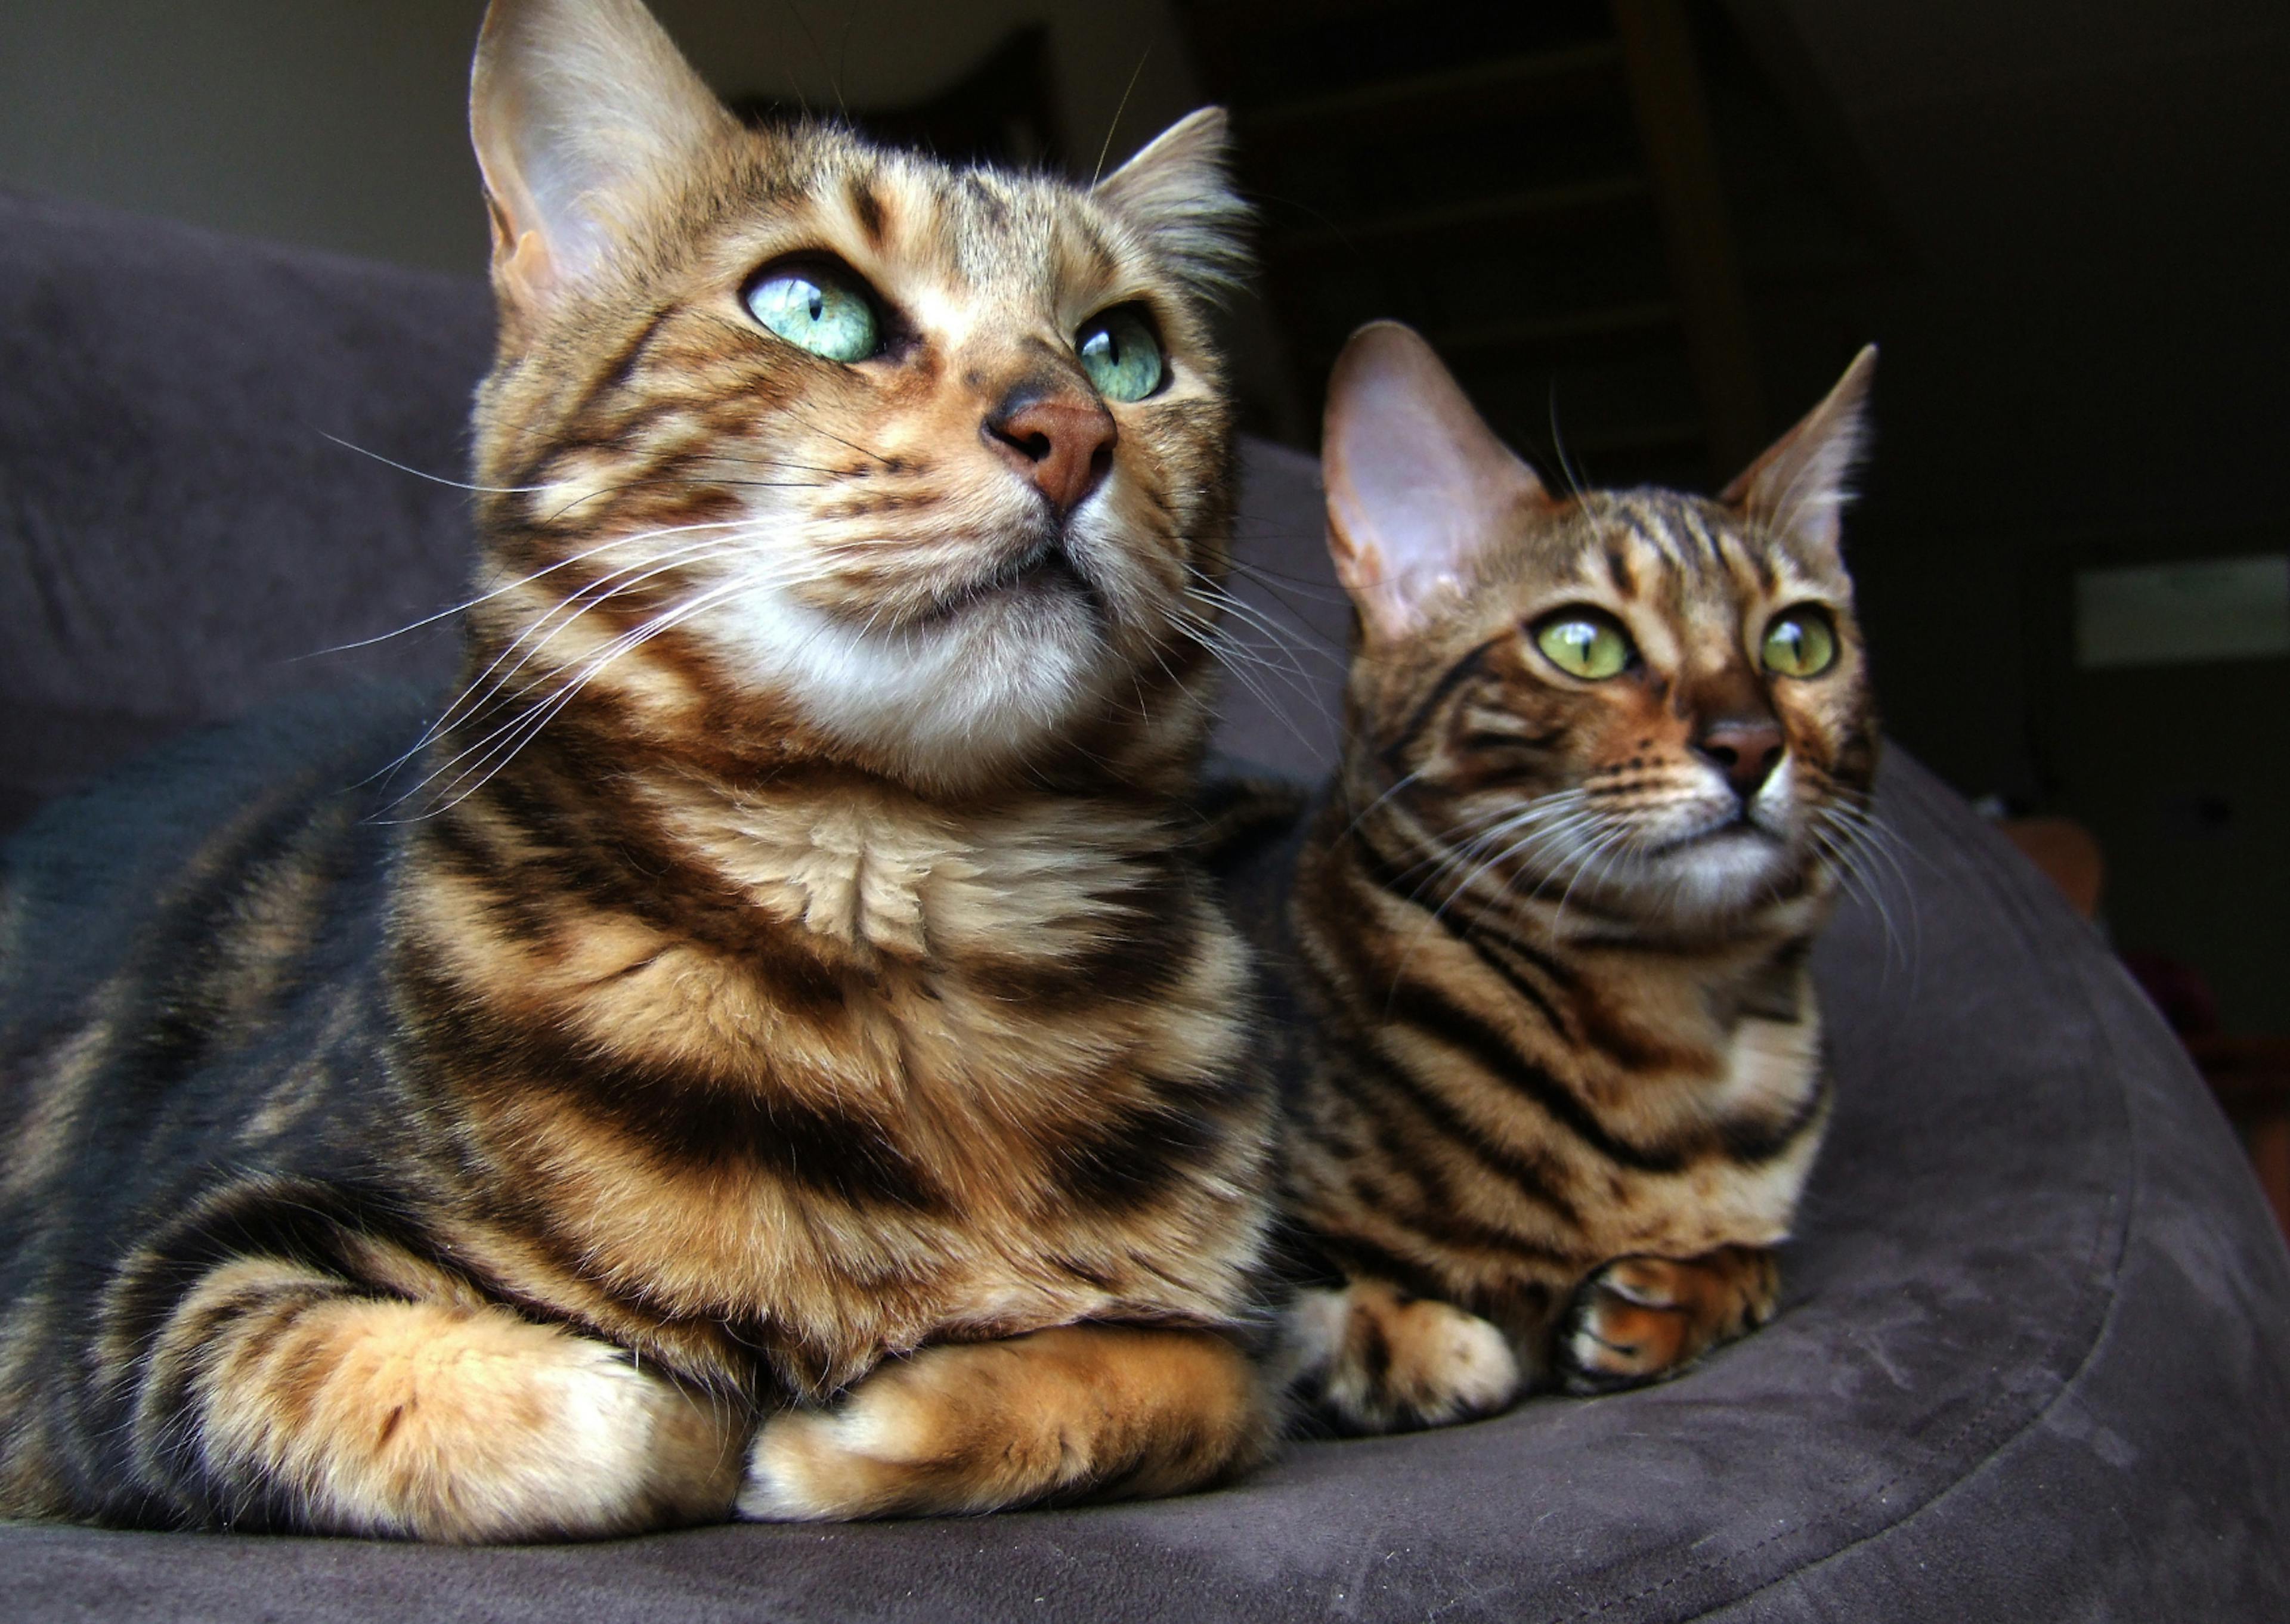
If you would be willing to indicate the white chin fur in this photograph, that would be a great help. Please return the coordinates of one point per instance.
(1727, 873)
(979, 689)
(1712, 878)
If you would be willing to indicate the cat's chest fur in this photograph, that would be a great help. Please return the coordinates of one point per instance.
(940, 1073)
(884, 882)
(1679, 1051)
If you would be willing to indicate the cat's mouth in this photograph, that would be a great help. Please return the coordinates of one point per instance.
(1742, 829)
(1045, 570)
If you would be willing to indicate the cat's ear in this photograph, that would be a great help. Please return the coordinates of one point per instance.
(1178, 193)
(581, 112)
(1801, 484)
(1418, 484)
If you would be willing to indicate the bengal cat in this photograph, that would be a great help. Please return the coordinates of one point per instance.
(1605, 752)
(779, 1059)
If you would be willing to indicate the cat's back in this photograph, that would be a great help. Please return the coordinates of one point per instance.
(185, 981)
(174, 854)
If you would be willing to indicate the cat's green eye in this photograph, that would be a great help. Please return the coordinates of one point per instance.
(1121, 355)
(818, 309)
(1584, 643)
(1800, 643)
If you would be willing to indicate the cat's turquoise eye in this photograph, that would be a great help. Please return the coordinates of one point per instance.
(1121, 355)
(1800, 643)
(1584, 643)
(818, 309)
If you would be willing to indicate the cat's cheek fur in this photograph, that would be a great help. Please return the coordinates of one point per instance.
(458, 1424)
(1100, 1411)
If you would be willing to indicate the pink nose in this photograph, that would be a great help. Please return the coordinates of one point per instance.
(1745, 752)
(1062, 442)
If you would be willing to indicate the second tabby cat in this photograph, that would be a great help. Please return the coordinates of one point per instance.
(1563, 1079)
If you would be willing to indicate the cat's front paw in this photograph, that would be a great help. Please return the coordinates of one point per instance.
(1075, 1413)
(1640, 1319)
(1376, 1359)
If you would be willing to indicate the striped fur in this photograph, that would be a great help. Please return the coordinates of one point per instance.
(1563, 1079)
(771, 1048)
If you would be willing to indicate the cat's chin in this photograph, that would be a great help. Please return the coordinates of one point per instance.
(964, 693)
(1731, 873)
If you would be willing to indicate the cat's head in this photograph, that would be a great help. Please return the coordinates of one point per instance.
(803, 445)
(1654, 704)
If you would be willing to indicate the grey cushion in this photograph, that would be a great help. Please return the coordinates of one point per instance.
(178, 534)
(2034, 1359)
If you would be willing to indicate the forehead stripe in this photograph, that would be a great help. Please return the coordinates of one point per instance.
(867, 208)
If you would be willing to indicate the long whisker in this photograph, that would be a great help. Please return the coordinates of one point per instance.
(603, 590)
(1120, 107)
(512, 737)
(468, 603)
(749, 578)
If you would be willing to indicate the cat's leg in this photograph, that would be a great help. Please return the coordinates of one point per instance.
(1637, 1319)
(1077, 1413)
(275, 1393)
(1376, 1359)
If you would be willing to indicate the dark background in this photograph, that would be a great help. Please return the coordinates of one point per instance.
(1652, 233)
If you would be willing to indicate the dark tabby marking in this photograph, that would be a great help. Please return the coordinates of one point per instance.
(1561, 1081)
(781, 1055)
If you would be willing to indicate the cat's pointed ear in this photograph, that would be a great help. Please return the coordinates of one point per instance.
(1418, 484)
(1178, 193)
(1801, 484)
(581, 112)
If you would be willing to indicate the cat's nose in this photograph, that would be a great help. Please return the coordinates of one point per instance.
(1060, 440)
(1745, 752)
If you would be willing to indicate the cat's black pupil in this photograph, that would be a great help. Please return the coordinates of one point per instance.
(818, 302)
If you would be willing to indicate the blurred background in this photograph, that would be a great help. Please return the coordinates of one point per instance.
(1647, 233)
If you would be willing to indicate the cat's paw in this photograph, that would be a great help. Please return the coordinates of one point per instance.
(1080, 1411)
(1378, 1360)
(458, 1424)
(1640, 1319)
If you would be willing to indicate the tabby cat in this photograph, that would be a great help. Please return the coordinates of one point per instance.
(1605, 752)
(780, 1059)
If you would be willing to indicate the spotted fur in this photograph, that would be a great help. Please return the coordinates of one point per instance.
(768, 1046)
(1563, 1078)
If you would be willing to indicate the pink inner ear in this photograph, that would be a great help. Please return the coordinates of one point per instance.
(1801, 484)
(1418, 485)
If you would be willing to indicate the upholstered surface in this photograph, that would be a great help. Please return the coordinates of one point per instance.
(2034, 1361)
(178, 534)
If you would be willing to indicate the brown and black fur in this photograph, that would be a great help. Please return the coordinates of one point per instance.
(724, 1068)
(1562, 1081)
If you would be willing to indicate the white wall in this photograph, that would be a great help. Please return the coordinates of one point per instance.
(342, 122)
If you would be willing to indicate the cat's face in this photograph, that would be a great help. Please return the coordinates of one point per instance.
(1654, 703)
(930, 466)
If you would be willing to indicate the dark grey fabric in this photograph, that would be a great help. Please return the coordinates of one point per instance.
(179, 536)
(2034, 1360)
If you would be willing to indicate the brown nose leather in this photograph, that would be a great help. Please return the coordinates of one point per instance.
(1061, 441)
(1746, 752)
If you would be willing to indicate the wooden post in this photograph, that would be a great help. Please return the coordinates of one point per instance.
(1681, 159)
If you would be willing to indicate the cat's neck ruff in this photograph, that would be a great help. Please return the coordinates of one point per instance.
(873, 870)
